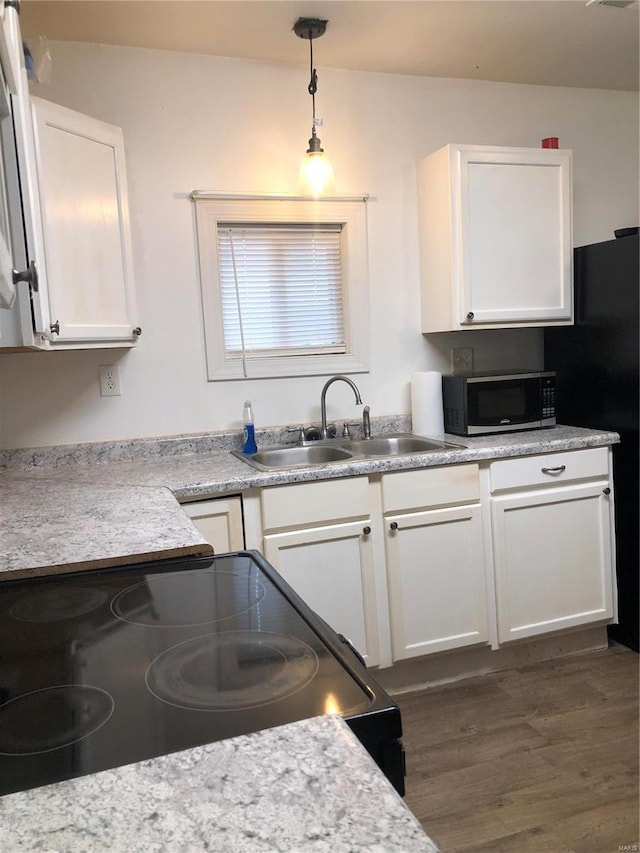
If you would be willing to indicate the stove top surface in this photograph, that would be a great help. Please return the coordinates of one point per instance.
(100, 669)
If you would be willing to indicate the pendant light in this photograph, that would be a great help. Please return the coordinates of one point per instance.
(316, 173)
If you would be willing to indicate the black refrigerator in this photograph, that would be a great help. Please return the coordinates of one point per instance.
(596, 361)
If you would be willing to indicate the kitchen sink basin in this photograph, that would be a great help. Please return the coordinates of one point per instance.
(340, 450)
(395, 445)
(293, 456)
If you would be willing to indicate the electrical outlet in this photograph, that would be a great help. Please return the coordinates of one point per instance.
(462, 360)
(109, 380)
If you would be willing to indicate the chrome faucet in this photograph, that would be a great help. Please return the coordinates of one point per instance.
(323, 400)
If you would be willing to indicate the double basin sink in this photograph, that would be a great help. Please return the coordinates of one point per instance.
(341, 450)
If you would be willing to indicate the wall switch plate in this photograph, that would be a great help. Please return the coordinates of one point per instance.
(462, 360)
(109, 380)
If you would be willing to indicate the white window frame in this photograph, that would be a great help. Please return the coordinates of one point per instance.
(351, 214)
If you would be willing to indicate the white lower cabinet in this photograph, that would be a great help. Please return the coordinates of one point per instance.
(412, 563)
(331, 568)
(318, 537)
(220, 522)
(435, 560)
(552, 543)
(437, 584)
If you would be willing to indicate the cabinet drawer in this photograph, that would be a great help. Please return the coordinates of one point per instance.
(549, 468)
(428, 487)
(315, 503)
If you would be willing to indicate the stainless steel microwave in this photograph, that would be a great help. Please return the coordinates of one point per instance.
(502, 401)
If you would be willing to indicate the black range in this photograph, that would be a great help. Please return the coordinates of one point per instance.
(104, 668)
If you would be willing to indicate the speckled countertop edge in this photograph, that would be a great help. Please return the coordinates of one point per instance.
(80, 516)
(317, 790)
(50, 527)
(215, 471)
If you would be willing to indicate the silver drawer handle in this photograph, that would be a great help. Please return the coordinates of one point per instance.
(558, 470)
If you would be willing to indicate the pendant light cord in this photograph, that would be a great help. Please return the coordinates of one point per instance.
(313, 83)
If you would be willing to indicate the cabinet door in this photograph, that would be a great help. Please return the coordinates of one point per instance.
(220, 522)
(85, 239)
(553, 565)
(331, 569)
(10, 46)
(31, 314)
(12, 249)
(8, 168)
(515, 235)
(437, 582)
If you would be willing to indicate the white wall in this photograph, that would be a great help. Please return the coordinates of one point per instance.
(196, 122)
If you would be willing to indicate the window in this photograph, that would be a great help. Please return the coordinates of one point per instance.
(281, 289)
(284, 286)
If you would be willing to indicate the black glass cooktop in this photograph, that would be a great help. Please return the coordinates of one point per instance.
(100, 669)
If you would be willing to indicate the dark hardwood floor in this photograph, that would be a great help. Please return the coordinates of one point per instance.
(541, 758)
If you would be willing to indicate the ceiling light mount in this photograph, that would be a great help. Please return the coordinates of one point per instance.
(310, 28)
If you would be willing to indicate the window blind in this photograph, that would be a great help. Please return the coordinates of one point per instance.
(281, 289)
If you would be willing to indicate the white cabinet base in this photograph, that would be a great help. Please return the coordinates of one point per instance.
(414, 674)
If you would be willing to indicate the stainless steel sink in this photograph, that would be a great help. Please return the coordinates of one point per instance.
(341, 450)
(294, 456)
(399, 444)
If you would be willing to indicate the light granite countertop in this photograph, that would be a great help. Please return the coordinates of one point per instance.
(50, 526)
(91, 506)
(307, 787)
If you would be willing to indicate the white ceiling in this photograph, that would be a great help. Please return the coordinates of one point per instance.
(544, 42)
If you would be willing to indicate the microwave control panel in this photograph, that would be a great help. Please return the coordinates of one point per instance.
(548, 398)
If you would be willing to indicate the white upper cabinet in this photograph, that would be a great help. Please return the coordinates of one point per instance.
(495, 237)
(87, 260)
(66, 199)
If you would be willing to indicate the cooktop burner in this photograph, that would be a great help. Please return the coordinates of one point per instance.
(238, 669)
(52, 718)
(53, 605)
(104, 668)
(210, 597)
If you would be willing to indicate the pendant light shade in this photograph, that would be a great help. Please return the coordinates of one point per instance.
(316, 173)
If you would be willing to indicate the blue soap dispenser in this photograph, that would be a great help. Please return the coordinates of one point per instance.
(249, 445)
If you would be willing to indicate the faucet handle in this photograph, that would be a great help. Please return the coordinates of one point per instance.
(346, 428)
(366, 422)
(299, 430)
(312, 433)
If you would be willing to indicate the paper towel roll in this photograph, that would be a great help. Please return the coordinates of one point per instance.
(426, 403)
